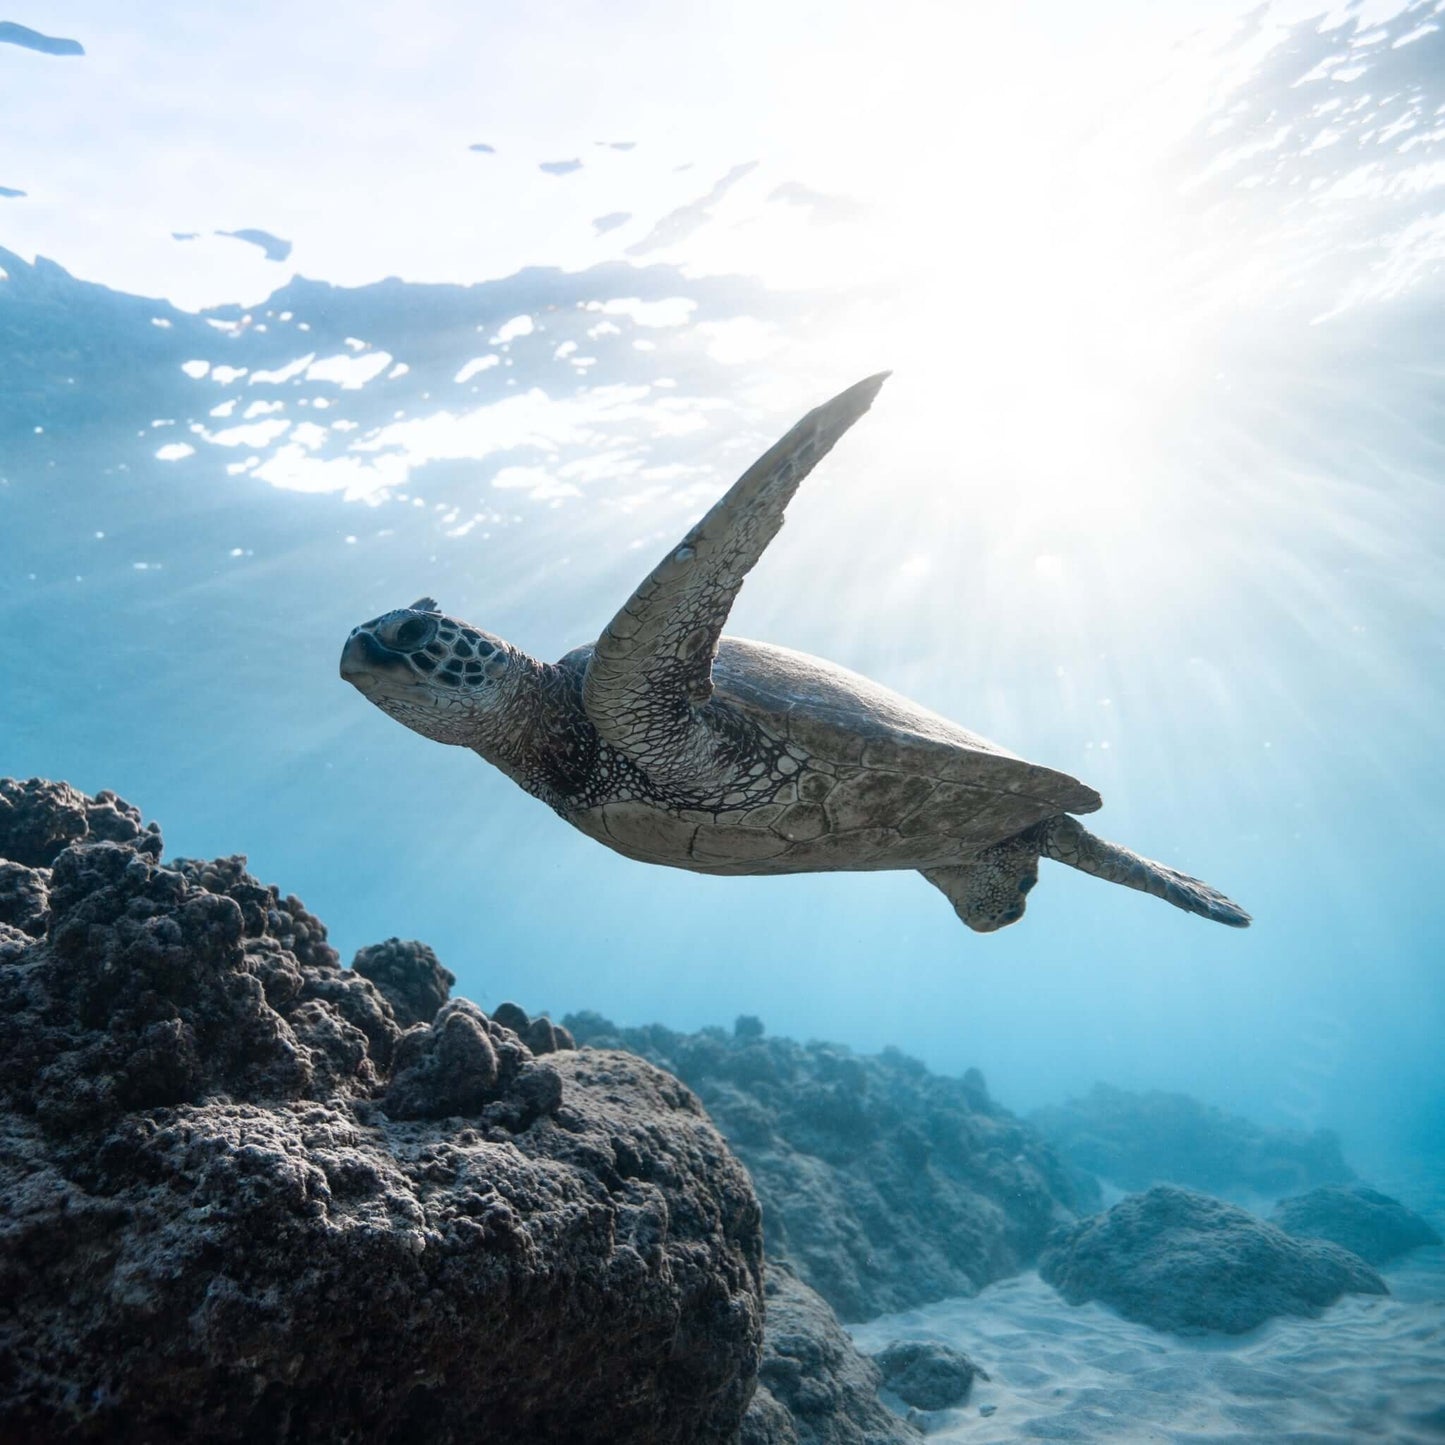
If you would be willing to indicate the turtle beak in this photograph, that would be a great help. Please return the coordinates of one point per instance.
(365, 663)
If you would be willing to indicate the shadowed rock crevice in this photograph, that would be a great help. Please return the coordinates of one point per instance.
(814, 1387)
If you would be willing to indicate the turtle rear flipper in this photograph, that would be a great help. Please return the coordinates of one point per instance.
(1066, 840)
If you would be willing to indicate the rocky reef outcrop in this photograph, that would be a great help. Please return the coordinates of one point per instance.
(884, 1185)
(247, 1194)
(1139, 1139)
(814, 1387)
(1181, 1261)
(1364, 1221)
(928, 1374)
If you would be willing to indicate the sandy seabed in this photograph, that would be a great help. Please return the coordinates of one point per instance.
(1369, 1368)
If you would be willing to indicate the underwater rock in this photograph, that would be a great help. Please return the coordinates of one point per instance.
(928, 1374)
(1370, 1224)
(215, 1222)
(1135, 1140)
(814, 1387)
(1180, 1261)
(24, 898)
(885, 1186)
(542, 1036)
(409, 976)
(38, 818)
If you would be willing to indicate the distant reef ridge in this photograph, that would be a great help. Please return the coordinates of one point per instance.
(884, 1185)
(1135, 1140)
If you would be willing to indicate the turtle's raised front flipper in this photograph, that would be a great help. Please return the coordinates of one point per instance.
(653, 662)
(1068, 841)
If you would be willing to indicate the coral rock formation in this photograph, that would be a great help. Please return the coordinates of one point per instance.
(1371, 1224)
(244, 1197)
(815, 1388)
(408, 976)
(928, 1374)
(1181, 1261)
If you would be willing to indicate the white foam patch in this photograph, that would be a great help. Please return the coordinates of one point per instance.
(294, 469)
(671, 311)
(539, 485)
(475, 365)
(309, 434)
(257, 434)
(597, 435)
(510, 330)
(283, 373)
(741, 340)
(351, 373)
(533, 419)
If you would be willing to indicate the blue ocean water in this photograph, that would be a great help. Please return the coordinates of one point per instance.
(1154, 495)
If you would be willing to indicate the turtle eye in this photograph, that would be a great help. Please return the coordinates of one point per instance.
(410, 634)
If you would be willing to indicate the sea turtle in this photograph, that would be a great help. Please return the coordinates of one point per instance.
(673, 744)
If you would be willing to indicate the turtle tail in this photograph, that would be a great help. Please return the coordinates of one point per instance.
(1066, 840)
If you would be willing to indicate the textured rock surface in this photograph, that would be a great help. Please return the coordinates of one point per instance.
(885, 1186)
(1181, 1261)
(541, 1034)
(927, 1374)
(1137, 1140)
(38, 818)
(814, 1387)
(1371, 1224)
(239, 1201)
(409, 976)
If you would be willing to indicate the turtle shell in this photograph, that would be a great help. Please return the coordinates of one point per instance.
(864, 779)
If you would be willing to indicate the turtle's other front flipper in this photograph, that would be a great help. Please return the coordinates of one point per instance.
(653, 662)
(1066, 840)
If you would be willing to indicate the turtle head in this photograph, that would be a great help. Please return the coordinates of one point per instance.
(442, 678)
